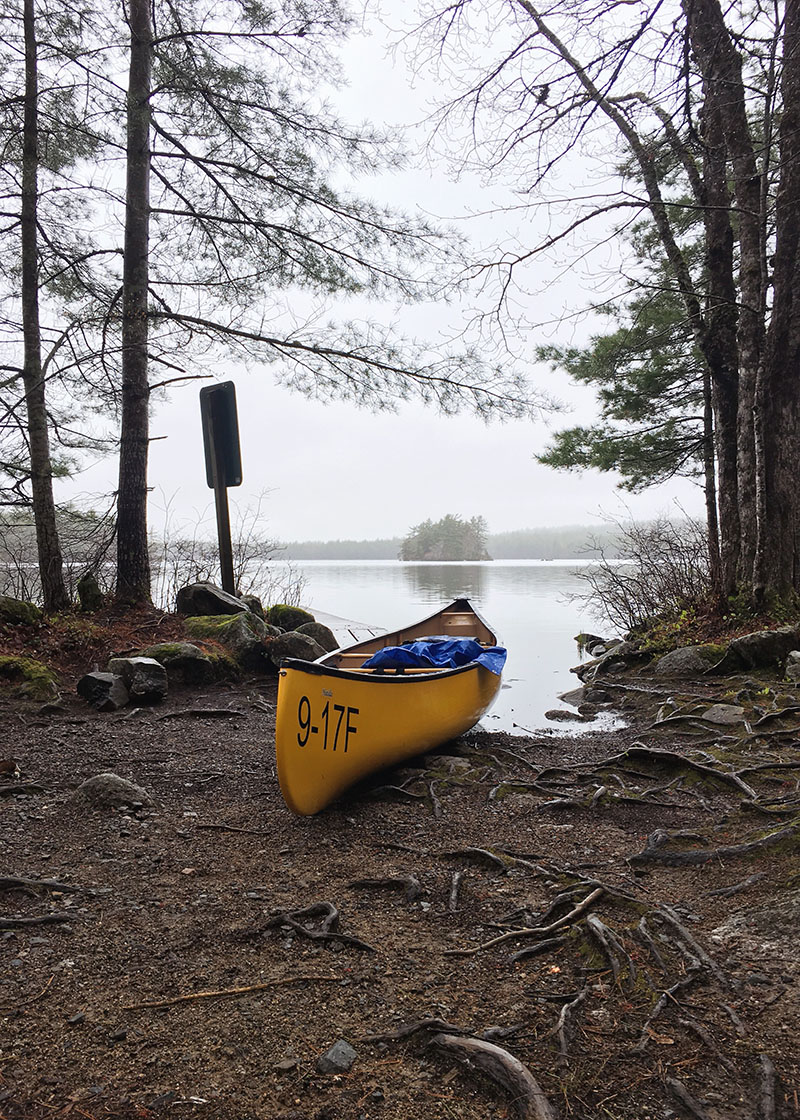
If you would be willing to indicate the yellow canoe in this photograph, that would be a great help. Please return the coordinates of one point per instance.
(338, 722)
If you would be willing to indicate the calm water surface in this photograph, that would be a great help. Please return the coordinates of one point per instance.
(526, 602)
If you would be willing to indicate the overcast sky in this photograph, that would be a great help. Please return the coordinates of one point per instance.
(333, 471)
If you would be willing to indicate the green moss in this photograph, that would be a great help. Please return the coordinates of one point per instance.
(18, 612)
(288, 618)
(28, 678)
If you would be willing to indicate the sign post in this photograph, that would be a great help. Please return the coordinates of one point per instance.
(223, 464)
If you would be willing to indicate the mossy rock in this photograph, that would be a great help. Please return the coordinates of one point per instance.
(18, 612)
(241, 634)
(184, 662)
(28, 678)
(288, 618)
(322, 635)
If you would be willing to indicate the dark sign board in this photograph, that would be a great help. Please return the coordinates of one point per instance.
(221, 433)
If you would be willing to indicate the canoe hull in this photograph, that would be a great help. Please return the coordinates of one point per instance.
(334, 728)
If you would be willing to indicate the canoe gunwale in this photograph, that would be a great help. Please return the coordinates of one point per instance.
(316, 668)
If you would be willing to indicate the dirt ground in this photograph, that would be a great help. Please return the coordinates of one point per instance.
(155, 981)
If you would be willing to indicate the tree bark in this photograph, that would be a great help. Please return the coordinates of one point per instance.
(779, 399)
(721, 67)
(133, 562)
(718, 342)
(51, 573)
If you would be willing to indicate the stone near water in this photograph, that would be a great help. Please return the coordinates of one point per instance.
(288, 618)
(688, 661)
(293, 644)
(184, 662)
(321, 634)
(144, 677)
(206, 598)
(724, 714)
(104, 691)
(339, 1059)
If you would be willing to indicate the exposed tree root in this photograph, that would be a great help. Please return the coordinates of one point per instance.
(611, 946)
(736, 888)
(407, 1030)
(455, 886)
(537, 950)
(536, 931)
(44, 920)
(653, 852)
(409, 884)
(681, 1093)
(479, 856)
(13, 882)
(664, 999)
(766, 1096)
(668, 915)
(329, 925)
(527, 1098)
(565, 1026)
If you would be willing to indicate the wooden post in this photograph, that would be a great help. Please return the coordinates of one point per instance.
(223, 465)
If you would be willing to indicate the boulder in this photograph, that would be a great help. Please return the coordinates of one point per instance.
(205, 598)
(321, 634)
(90, 597)
(28, 678)
(109, 791)
(243, 635)
(254, 604)
(723, 714)
(688, 661)
(184, 662)
(761, 650)
(144, 677)
(293, 644)
(288, 618)
(18, 612)
(104, 691)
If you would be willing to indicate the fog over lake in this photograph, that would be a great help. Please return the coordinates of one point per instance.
(528, 603)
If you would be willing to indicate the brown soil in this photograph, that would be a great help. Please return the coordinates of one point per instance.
(108, 1013)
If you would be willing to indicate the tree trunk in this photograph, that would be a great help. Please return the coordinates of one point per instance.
(779, 399)
(51, 574)
(721, 67)
(718, 342)
(133, 562)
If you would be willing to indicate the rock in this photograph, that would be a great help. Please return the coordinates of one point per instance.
(338, 1059)
(688, 661)
(243, 635)
(321, 634)
(104, 691)
(293, 644)
(288, 618)
(762, 649)
(28, 678)
(18, 612)
(254, 604)
(185, 663)
(564, 715)
(108, 791)
(622, 656)
(206, 598)
(144, 677)
(724, 714)
(90, 597)
(793, 671)
(586, 641)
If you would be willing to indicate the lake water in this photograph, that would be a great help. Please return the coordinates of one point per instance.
(528, 603)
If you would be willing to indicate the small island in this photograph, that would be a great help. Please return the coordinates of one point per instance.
(451, 538)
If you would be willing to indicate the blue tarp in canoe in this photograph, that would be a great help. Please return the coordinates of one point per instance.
(444, 653)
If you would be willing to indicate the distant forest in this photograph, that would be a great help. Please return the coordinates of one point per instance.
(563, 542)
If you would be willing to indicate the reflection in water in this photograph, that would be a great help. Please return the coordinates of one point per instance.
(531, 605)
(437, 583)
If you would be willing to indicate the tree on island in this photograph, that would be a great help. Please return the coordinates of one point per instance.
(451, 538)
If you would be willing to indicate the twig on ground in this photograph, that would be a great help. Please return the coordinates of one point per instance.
(218, 993)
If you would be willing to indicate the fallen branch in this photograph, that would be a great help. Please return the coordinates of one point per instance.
(535, 931)
(264, 985)
(527, 1098)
